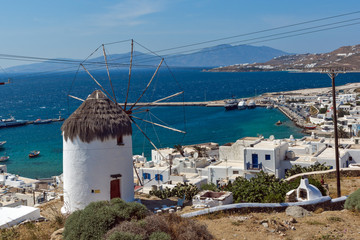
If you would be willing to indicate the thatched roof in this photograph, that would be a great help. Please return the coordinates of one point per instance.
(97, 118)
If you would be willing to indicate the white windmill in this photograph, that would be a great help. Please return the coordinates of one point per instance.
(97, 145)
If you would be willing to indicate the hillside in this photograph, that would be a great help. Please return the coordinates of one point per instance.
(220, 55)
(347, 57)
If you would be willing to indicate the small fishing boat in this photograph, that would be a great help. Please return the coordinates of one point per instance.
(2, 143)
(309, 126)
(42, 121)
(4, 158)
(34, 154)
(231, 104)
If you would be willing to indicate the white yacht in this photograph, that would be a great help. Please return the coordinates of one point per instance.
(251, 104)
(242, 105)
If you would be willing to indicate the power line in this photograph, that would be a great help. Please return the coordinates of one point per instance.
(40, 59)
(265, 38)
(261, 31)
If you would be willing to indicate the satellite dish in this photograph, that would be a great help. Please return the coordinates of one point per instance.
(196, 155)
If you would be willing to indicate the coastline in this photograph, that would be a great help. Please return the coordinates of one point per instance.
(298, 120)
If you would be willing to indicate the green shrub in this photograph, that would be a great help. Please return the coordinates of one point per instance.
(181, 189)
(353, 201)
(125, 236)
(209, 186)
(98, 217)
(265, 188)
(296, 169)
(159, 236)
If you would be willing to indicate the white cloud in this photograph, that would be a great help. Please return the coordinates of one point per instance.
(129, 12)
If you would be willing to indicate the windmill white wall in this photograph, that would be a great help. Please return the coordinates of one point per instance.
(97, 153)
(88, 168)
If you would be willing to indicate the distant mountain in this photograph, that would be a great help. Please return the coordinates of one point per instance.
(221, 55)
(347, 58)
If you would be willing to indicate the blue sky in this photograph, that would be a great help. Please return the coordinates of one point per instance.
(74, 28)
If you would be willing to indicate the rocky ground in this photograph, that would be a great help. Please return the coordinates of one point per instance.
(317, 225)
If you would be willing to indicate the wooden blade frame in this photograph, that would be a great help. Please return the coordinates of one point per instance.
(80, 99)
(160, 125)
(147, 138)
(152, 78)
(159, 100)
(107, 69)
(100, 85)
(130, 67)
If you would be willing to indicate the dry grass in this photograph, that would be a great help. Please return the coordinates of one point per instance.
(325, 225)
(320, 225)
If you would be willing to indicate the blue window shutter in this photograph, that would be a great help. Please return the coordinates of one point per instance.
(161, 177)
(144, 175)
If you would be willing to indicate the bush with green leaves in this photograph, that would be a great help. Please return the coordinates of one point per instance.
(264, 188)
(159, 236)
(296, 169)
(353, 201)
(99, 217)
(181, 189)
(125, 236)
(210, 186)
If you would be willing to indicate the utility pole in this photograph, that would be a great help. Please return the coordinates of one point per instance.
(332, 74)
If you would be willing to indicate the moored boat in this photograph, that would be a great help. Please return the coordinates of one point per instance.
(310, 126)
(251, 104)
(12, 122)
(231, 104)
(4, 158)
(2, 143)
(42, 121)
(34, 153)
(242, 105)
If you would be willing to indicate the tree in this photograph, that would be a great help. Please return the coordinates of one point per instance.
(180, 149)
(200, 150)
(322, 110)
(342, 133)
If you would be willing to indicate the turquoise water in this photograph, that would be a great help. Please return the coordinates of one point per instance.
(44, 95)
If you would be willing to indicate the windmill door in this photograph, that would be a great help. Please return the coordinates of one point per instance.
(115, 189)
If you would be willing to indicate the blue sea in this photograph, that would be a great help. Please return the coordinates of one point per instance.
(44, 95)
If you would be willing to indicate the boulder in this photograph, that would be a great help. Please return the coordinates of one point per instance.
(297, 212)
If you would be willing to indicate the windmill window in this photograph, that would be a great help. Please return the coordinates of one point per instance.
(120, 140)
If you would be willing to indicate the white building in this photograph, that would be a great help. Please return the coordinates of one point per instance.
(97, 154)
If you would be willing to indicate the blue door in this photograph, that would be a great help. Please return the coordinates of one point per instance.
(255, 161)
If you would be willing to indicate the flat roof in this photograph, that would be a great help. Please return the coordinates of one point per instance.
(330, 153)
(228, 164)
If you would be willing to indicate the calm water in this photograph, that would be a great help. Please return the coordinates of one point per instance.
(44, 95)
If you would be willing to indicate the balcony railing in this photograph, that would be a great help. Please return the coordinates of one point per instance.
(254, 166)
